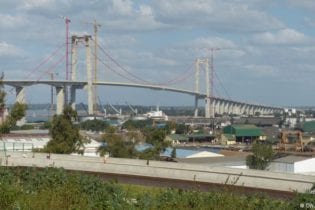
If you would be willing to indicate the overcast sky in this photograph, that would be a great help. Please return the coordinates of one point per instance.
(267, 47)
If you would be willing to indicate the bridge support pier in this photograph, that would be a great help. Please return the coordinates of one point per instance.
(89, 87)
(196, 106)
(20, 94)
(208, 107)
(60, 91)
(73, 97)
(20, 98)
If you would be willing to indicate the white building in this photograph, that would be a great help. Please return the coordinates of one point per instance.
(293, 164)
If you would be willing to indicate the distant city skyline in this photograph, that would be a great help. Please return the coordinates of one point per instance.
(267, 47)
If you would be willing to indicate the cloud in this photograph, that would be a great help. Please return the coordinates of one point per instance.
(215, 15)
(286, 36)
(261, 70)
(304, 4)
(8, 21)
(7, 49)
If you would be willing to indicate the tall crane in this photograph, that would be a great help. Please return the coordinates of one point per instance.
(135, 111)
(99, 101)
(116, 110)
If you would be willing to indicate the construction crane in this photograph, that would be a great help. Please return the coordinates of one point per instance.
(116, 110)
(135, 111)
(99, 101)
(284, 141)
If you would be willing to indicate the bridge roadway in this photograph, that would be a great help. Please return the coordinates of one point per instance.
(117, 167)
(220, 105)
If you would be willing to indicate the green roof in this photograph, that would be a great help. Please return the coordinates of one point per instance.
(242, 130)
(309, 126)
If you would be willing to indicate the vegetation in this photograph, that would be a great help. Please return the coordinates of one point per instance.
(17, 111)
(65, 137)
(94, 125)
(173, 153)
(116, 146)
(137, 124)
(261, 157)
(156, 137)
(52, 188)
(23, 127)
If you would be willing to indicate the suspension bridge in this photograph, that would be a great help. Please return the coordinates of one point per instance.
(66, 88)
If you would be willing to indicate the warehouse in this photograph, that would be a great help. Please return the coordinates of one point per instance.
(293, 164)
(244, 133)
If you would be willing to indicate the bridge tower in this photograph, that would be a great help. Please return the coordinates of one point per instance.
(75, 40)
(209, 111)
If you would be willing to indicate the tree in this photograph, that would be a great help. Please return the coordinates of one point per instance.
(156, 137)
(173, 153)
(17, 111)
(261, 157)
(65, 137)
(94, 125)
(116, 146)
(181, 129)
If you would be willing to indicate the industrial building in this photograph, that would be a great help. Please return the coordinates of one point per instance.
(293, 164)
(244, 133)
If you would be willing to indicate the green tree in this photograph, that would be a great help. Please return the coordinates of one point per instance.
(17, 111)
(116, 146)
(94, 125)
(156, 137)
(173, 153)
(261, 157)
(181, 129)
(65, 137)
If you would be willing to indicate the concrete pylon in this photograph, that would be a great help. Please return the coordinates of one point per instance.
(89, 86)
(20, 94)
(20, 98)
(60, 91)
(73, 97)
(209, 111)
(74, 61)
(196, 106)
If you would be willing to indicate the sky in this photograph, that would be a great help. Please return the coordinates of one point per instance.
(266, 51)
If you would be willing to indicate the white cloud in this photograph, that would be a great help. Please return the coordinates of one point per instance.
(7, 49)
(215, 15)
(122, 7)
(305, 4)
(11, 21)
(261, 70)
(285, 36)
(34, 4)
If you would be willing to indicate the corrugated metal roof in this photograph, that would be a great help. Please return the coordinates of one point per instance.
(309, 126)
(242, 130)
(291, 159)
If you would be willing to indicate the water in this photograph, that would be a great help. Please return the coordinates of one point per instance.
(38, 115)
(182, 153)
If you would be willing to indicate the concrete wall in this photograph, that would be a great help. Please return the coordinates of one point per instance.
(281, 167)
(168, 170)
(305, 166)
